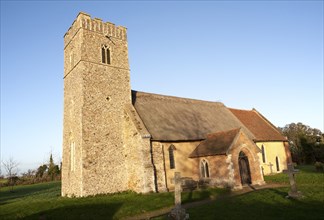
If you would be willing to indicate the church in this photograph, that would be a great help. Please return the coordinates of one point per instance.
(117, 139)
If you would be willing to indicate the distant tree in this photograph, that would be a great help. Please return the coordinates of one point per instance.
(30, 173)
(11, 167)
(28, 177)
(1, 180)
(49, 171)
(53, 169)
(304, 142)
(307, 151)
(41, 171)
(51, 166)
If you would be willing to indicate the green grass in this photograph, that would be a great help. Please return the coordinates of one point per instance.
(271, 203)
(33, 201)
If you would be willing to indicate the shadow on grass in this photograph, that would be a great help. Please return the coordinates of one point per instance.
(190, 196)
(279, 192)
(260, 204)
(198, 195)
(27, 190)
(307, 169)
(93, 211)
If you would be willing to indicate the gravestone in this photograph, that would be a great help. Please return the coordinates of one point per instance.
(293, 193)
(177, 189)
(177, 213)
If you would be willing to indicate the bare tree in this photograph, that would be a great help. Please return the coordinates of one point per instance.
(11, 167)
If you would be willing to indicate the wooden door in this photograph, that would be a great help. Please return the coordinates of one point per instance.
(244, 169)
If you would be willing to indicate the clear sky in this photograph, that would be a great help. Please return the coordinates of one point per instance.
(266, 55)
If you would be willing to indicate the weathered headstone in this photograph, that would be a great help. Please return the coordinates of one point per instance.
(293, 193)
(177, 213)
(177, 189)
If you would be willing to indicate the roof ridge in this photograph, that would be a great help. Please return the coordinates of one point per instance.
(236, 109)
(176, 98)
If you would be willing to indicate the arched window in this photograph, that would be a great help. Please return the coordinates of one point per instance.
(277, 164)
(171, 156)
(204, 169)
(105, 54)
(263, 154)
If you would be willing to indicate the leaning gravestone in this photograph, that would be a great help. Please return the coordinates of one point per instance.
(293, 193)
(177, 213)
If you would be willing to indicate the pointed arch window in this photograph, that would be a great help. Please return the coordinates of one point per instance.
(263, 154)
(105, 54)
(277, 164)
(171, 156)
(204, 169)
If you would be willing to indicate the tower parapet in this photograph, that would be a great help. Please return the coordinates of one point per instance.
(84, 21)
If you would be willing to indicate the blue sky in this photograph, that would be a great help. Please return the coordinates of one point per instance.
(266, 55)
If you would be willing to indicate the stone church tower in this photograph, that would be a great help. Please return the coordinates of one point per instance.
(96, 91)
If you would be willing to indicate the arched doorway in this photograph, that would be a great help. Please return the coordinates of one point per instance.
(244, 169)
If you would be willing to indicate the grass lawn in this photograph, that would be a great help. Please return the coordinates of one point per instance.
(271, 203)
(33, 201)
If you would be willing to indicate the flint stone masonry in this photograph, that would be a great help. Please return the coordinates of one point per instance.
(85, 22)
(139, 168)
(158, 153)
(96, 96)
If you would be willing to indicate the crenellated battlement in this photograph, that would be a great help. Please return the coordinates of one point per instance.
(84, 21)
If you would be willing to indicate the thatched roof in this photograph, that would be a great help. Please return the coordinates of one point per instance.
(216, 144)
(179, 119)
(262, 129)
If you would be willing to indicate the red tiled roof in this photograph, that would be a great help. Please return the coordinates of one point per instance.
(215, 144)
(260, 127)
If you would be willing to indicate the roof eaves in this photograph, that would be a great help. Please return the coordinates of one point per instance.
(269, 140)
(176, 140)
(205, 155)
(174, 98)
